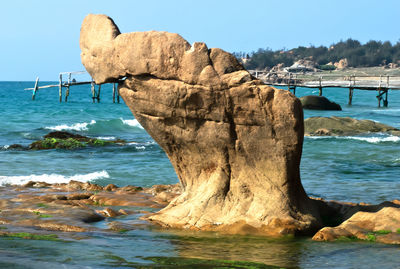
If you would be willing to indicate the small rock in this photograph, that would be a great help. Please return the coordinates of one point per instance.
(110, 187)
(79, 196)
(109, 212)
(318, 103)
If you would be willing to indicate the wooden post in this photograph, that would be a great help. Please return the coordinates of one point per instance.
(385, 101)
(60, 88)
(98, 94)
(320, 86)
(350, 96)
(118, 94)
(113, 92)
(67, 91)
(35, 89)
(379, 97)
(93, 91)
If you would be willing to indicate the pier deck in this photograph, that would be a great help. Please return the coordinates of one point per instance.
(380, 84)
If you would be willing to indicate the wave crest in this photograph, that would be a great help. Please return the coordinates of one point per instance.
(52, 178)
(371, 139)
(73, 127)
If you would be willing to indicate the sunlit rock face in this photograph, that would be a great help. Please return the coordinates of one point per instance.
(235, 143)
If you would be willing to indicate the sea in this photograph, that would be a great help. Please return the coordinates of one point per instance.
(359, 168)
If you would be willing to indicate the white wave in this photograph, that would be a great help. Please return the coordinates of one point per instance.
(106, 137)
(52, 178)
(6, 146)
(140, 147)
(375, 139)
(372, 139)
(74, 127)
(133, 123)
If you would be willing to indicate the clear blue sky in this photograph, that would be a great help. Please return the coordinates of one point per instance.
(41, 38)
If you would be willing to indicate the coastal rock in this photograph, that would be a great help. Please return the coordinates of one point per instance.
(342, 64)
(235, 143)
(318, 103)
(380, 223)
(320, 126)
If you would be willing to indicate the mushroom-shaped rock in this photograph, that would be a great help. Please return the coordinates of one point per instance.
(235, 143)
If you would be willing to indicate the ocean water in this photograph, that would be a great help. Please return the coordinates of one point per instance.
(362, 168)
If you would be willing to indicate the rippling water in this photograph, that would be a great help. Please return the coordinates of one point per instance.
(355, 168)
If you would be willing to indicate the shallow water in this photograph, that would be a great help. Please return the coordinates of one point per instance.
(357, 169)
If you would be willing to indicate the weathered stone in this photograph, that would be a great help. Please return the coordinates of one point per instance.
(379, 223)
(235, 143)
(319, 126)
(318, 103)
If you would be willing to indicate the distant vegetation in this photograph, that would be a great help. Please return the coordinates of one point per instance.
(372, 53)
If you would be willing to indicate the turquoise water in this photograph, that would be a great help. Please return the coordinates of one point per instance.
(356, 169)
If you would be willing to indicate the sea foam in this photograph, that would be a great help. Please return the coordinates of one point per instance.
(52, 178)
(375, 140)
(371, 139)
(73, 127)
(133, 123)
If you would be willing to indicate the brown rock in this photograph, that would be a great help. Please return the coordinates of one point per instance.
(342, 64)
(235, 144)
(110, 187)
(379, 223)
(109, 212)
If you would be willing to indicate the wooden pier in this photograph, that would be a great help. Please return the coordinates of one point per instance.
(67, 80)
(292, 81)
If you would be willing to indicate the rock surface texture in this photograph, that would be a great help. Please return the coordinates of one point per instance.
(235, 143)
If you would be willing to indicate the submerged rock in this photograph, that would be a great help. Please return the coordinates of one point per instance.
(320, 126)
(318, 103)
(74, 207)
(235, 143)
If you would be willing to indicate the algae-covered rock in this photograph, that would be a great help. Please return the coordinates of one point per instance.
(375, 223)
(66, 140)
(319, 126)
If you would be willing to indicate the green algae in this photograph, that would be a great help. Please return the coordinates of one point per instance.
(42, 205)
(40, 215)
(371, 237)
(382, 232)
(48, 237)
(347, 238)
(180, 262)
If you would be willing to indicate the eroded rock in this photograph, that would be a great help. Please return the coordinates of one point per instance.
(235, 143)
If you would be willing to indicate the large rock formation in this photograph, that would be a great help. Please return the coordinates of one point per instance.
(235, 143)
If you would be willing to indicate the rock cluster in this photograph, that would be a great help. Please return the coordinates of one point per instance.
(74, 207)
(235, 143)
